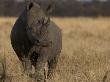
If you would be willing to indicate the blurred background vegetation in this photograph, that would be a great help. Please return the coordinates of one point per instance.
(85, 55)
(63, 7)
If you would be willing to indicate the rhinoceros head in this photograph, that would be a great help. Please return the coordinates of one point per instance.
(37, 17)
(37, 11)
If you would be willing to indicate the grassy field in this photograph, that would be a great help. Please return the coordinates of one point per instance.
(85, 55)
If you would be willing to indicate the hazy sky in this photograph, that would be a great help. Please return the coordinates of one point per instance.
(91, 0)
(66, 0)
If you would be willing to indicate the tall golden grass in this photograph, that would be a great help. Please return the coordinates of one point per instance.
(85, 55)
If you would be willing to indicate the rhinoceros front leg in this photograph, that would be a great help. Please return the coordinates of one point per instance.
(27, 63)
(27, 66)
(40, 73)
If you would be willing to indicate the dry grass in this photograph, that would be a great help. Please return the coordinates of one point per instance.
(85, 55)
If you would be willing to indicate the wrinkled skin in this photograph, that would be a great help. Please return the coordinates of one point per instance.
(36, 41)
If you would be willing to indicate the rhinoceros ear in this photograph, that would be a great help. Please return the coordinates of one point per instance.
(29, 4)
(50, 8)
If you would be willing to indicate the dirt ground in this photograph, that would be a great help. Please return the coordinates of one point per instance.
(85, 55)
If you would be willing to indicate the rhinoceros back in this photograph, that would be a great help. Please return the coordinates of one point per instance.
(19, 39)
